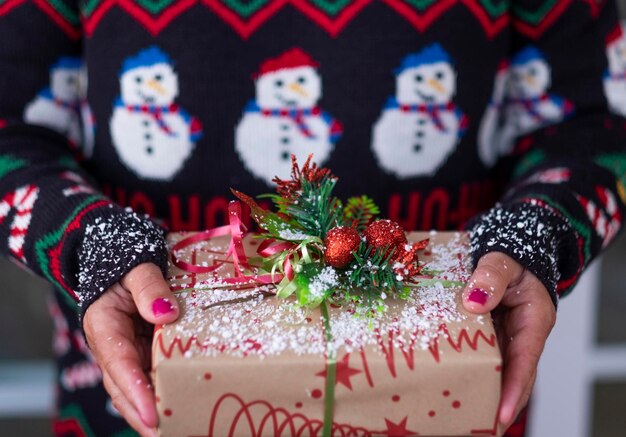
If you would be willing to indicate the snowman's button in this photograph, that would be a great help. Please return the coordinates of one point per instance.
(147, 136)
(417, 147)
(285, 156)
(284, 127)
(146, 122)
(285, 140)
(149, 150)
(419, 134)
(421, 121)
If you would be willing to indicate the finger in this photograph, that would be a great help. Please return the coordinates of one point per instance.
(153, 297)
(493, 275)
(118, 355)
(125, 408)
(521, 358)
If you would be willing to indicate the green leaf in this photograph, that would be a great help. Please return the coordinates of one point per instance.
(269, 221)
(359, 212)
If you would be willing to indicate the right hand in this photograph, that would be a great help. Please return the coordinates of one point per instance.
(118, 330)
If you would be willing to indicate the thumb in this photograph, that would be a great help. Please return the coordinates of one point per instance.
(487, 285)
(151, 293)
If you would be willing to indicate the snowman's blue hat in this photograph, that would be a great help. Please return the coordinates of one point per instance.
(429, 55)
(530, 53)
(67, 63)
(145, 58)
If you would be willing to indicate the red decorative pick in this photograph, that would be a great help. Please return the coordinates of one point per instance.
(385, 234)
(340, 244)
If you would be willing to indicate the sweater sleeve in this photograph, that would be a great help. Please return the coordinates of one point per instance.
(53, 219)
(563, 145)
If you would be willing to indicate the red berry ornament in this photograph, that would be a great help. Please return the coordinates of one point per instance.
(385, 234)
(340, 244)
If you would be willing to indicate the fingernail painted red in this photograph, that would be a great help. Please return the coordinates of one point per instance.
(478, 295)
(162, 306)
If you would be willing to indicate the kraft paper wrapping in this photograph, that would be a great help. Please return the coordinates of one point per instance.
(243, 363)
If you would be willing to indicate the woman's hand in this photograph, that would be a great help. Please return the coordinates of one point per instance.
(523, 315)
(117, 327)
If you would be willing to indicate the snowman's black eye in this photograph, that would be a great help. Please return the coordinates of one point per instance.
(419, 78)
(71, 80)
(532, 71)
(301, 79)
(138, 79)
(158, 77)
(279, 83)
(439, 75)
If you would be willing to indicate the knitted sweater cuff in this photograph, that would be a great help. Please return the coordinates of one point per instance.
(527, 233)
(113, 244)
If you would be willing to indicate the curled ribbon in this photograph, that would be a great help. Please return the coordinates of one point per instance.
(235, 229)
(266, 249)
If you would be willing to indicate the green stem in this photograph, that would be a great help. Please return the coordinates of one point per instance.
(331, 367)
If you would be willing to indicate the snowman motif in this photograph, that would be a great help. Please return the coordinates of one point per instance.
(421, 126)
(615, 75)
(284, 118)
(58, 106)
(152, 135)
(493, 118)
(528, 104)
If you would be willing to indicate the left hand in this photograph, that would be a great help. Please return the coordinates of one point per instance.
(524, 316)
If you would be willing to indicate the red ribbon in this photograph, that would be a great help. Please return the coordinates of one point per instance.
(235, 229)
(266, 250)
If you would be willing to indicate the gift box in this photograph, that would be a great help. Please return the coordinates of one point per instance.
(241, 362)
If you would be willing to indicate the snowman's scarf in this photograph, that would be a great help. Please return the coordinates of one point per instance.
(621, 76)
(157, 112)
(433, 112)
(72, 105)
(297, 116)
(530, 105)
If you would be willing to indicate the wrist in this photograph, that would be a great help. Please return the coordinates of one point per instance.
(113, 244)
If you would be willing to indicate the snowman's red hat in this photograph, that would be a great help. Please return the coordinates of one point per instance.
(292, 58)
(615, 35)
(503, 65)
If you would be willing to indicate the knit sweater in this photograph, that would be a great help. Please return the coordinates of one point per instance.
(436, 109)
(163, 108)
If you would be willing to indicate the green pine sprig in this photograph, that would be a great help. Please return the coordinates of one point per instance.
(360, 212)
(315, 209)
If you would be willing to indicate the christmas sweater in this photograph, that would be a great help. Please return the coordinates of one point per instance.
(121, 118)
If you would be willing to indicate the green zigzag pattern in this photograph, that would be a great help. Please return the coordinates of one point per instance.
(155, 7)
(496, 9)
(535, 16)
(67, 11)
(245, 9)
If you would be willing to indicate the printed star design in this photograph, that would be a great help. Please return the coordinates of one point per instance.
(398, 429)
(343, 372)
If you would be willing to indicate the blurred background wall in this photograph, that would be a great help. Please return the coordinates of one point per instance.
(25, 349)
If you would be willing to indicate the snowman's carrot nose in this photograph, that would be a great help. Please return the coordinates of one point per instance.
(155, 85)
(298, 89)
(436, 85)
(530, 80)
